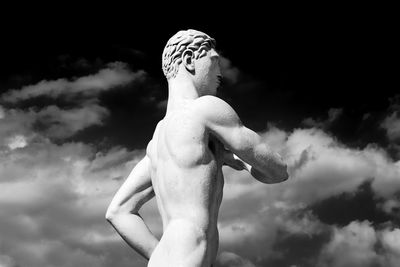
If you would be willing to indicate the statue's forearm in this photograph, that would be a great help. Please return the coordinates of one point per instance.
(135, 232)
(244, 165)
(274, 171)
(273, 168)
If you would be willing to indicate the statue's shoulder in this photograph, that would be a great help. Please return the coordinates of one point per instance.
(209, 100)
(150, 144)
(212, 107)
(209, 103)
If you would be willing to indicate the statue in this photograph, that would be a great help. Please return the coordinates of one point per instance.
(182, 167)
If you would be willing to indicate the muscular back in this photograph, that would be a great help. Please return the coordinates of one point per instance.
(187, 178)
(186, 167)
(183, 168)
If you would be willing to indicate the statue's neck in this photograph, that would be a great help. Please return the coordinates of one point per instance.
(180, 91)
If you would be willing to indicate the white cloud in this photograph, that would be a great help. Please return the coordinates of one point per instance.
(275, 138)
(55, 122)
(51, 121)
(297, 220)
(58, 194)
(328, 167)
(61, 123)
(16, 141)
(392, 126)
(53, 197)
(352, 245)
(357, 244)
(320, 167)
(252, 214)
(116, 74)
(391, 243)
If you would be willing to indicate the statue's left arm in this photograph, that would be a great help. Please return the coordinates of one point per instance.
(233, 161)
(238, 164)
(123, 212)
(257, 157)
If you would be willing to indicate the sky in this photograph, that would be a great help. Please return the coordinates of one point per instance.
(79, 103)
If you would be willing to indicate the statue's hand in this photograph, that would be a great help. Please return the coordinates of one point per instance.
(233, 161)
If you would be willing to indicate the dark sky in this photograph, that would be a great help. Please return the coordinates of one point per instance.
(319, 85)
(292, 66)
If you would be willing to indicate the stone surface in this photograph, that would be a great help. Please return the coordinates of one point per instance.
(183, 164)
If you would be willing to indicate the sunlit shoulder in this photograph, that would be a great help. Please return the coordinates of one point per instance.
(212, 109)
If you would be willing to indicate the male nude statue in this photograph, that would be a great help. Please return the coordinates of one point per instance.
(182, 167)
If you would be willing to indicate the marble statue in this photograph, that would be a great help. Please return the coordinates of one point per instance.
(182, 167)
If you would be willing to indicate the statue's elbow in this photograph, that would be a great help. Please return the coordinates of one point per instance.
(283, 173)
(280, 174)
(110, 214)
(271, 176)
(116, 211)
(279, 171)
(113, 211)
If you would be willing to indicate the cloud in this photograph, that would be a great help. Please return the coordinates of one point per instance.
(16, 141)
(2, 114)
(54, 193)
(230, 259)
(255, 218)
(116, 74)
(333, 115)
(55, 122)
(7, 261)
(50, 121)
(391, 243)
(332, 168)
(61, 123)
(230, 73)
(296, 219)
(352, 245)
(360, 244)
(53, 197)
(58, 194)
(391, 124)
(15, 123)
(344, 208)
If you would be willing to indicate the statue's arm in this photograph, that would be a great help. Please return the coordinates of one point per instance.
(238, 164)
(123, 211)
(222, 121)
(233, 161)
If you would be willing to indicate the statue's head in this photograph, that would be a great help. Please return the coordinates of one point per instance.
(194, 50)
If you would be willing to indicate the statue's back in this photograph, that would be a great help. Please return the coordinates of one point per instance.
(187, 180)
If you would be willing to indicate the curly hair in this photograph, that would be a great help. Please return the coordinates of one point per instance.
(196, 41)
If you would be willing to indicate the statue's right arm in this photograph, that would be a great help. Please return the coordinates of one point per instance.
(222, 121)
(123, 211)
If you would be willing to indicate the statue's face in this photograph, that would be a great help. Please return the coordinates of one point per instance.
(207, 73)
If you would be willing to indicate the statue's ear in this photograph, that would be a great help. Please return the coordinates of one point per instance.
(188, 60)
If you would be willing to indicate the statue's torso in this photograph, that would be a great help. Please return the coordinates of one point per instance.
(187, 179)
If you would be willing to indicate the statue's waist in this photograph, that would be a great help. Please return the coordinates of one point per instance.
(189, 243)
(202, 225)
